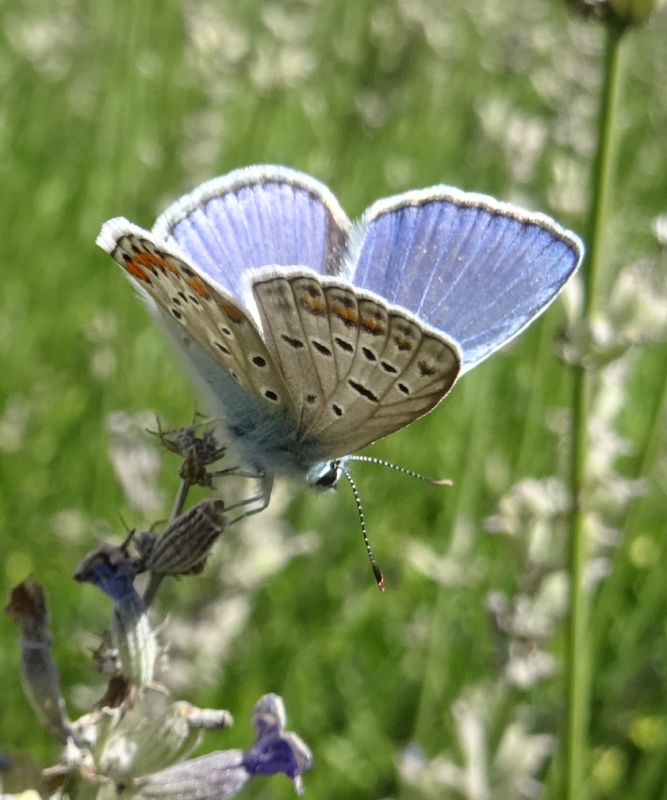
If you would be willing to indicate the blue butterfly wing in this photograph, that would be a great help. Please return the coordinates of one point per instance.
(472, 267)
(254, 217)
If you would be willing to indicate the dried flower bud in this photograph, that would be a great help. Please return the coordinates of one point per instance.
(27, 607)
(184, 547)
(113, 572)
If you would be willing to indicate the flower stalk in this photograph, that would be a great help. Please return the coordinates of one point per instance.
(577, 651)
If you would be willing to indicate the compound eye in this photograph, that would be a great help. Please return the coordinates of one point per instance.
(329, 477)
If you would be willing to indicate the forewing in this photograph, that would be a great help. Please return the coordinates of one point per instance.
(254, 217)
(472, 267)
(194, 308)
(358, 369)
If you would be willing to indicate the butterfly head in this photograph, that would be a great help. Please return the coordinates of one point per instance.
(325, 475)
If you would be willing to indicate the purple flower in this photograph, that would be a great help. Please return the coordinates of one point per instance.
(113, 572)
(110, 570)
(222, 775)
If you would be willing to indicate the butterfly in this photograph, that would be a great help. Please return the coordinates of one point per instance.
(317, 336)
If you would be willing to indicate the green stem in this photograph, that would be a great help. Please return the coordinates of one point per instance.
(577, 654)
(603, 167)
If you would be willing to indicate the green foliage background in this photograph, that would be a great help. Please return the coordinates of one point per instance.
(117, 108)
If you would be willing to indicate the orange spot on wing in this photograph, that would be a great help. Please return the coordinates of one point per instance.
(373, 326)
(148, 260)
(402, 343)
(314, 304)
(198, 287)
(230, 311)
(153, 262)
(347, 315)
(137, 271)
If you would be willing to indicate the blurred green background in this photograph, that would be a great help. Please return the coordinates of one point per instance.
(451, 683)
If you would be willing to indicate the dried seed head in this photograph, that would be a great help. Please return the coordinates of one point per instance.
(197, 452)
(184, 547)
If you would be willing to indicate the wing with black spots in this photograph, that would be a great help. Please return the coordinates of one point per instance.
(193, 307)
(358, 368)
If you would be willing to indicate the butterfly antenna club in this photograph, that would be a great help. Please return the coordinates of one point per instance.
(403, 470)
(377, 572)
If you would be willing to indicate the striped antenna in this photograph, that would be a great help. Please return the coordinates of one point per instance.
(404, 470)
(377, 572)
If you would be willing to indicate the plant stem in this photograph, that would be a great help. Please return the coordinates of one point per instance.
(577, 653)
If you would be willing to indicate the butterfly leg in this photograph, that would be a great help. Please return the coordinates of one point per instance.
(262, 499)
(237, 472)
